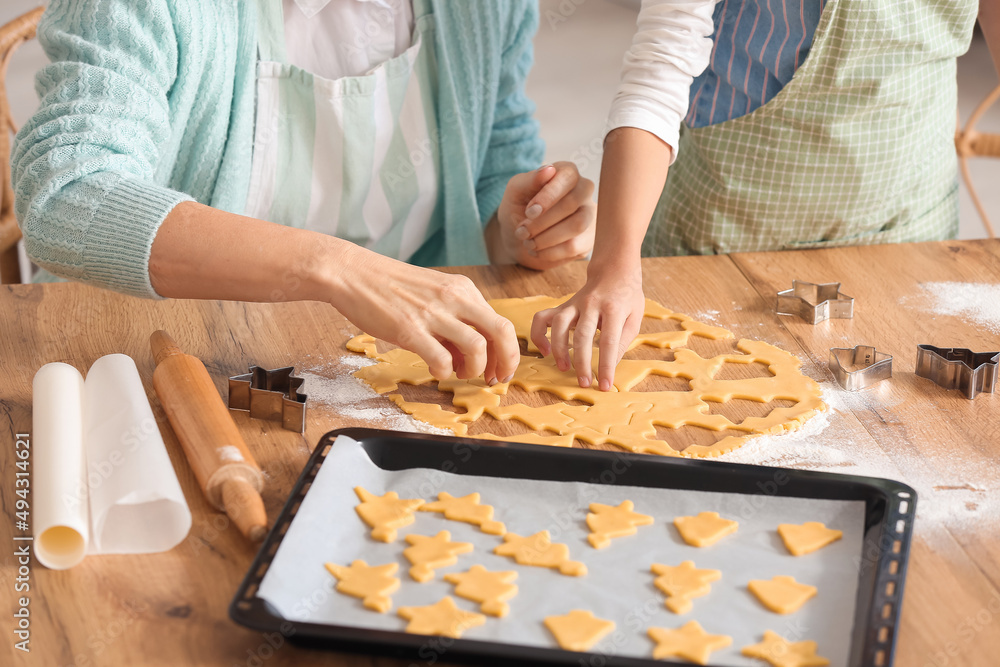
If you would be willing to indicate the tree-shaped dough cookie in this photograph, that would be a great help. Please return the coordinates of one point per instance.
(466, 509)
(682, 583)
(578, 630)
(428, 553)
(490, 589)
(705, 529)
(689, 642)
(808, 537)
(385, 514)
(442, 618)
(608, 521)
(538, 550)
(782, 595)
(372, 583)
(780, 652)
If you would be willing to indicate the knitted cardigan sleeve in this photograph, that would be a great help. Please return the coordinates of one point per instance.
(84, 165)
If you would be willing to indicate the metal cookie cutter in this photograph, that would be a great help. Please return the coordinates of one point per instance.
(815, 303)
(270, 394)
(958, 368)
(870, 366)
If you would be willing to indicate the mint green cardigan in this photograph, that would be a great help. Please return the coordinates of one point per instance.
(149, 104)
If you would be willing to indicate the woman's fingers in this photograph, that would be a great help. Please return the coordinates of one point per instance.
(571, 202)
(558, 186)
(437, 357)
(577, 225)
(468, 344)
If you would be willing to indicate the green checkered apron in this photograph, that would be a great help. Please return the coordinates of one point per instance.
(354, 157)
(857, 148)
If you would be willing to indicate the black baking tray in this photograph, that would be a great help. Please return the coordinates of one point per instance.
(890, 510)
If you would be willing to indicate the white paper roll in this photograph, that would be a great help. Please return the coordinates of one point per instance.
(61, 517)
(136, 503)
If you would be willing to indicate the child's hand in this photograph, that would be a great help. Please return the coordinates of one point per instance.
(546, 218)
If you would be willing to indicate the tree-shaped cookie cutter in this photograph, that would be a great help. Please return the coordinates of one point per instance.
(814, 302)
(958, 368)
(270, 394)
(870, 366)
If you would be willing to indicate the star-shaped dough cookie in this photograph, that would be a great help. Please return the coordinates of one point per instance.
(428, 553)
(538, 550)
(372, 583)
(780, 652)
(782, 595)
(689, 642)
(491, 589)
(682, 583)
(608, 521)
(442, 618)
(466, 509)
(385, 513)
(807, 538)
(578, 630)
(705, 529)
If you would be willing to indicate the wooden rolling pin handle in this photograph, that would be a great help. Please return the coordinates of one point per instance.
(163, 346)
(244, 506)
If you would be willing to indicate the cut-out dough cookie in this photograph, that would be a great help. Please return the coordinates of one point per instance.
(429, 553)
(385, 514)
(608, 521)
(782, 595)
(578, 630)
(683, 583)
(620, 417)
(466, 509)
(807, 538)
(540, 551)
(705, 529)
(372, 583)
(780, 652)
(490, 589)
(689, 642)
(442, 618)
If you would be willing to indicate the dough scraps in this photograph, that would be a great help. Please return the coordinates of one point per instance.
(442, 618)
(782, 595)
(689, 642)
(705, 529)
(491, 589)
(428, 553)
(578, 630)
(807, 538)
(466, 509)
(385, 513)
(623, 418)
(780, 652)
(372, 583)
(608, 521)
(538, 550)
(682, 583)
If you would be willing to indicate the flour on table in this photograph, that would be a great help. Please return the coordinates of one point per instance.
(973, 302)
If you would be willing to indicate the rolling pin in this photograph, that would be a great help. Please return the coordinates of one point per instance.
(226, 471)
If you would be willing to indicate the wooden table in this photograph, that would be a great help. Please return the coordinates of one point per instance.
(171, 608)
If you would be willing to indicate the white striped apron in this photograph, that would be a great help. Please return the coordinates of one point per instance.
(355, 157)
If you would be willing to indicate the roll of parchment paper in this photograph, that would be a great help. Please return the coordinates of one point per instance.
(136, 503)
(60, 517)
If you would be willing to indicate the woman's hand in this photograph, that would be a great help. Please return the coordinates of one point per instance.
(546, 218)
(612, 302)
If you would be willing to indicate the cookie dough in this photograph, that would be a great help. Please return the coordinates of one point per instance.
(385, 514)
(372, 583)
(608, 521)
(490, 589)
(578, 630)
(429, 553)
(807, 538)
(780, 652)
(782, 595)
(689, 642)
(683, 583)
(705, 529)
(538, 550)
(622, 417)
(442, 618)
(466, 509)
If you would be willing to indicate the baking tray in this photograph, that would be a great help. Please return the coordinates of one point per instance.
(889, 513)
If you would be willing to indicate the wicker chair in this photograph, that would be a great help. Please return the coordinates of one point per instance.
(970, 143)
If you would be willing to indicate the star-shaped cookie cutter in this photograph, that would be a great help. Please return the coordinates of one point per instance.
(870, 366)
(958, 368)
(270, 394)
(815, 303)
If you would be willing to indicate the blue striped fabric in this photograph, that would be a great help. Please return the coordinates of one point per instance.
(758, 46)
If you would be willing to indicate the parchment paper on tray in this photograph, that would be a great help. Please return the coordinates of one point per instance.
(618, 586)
